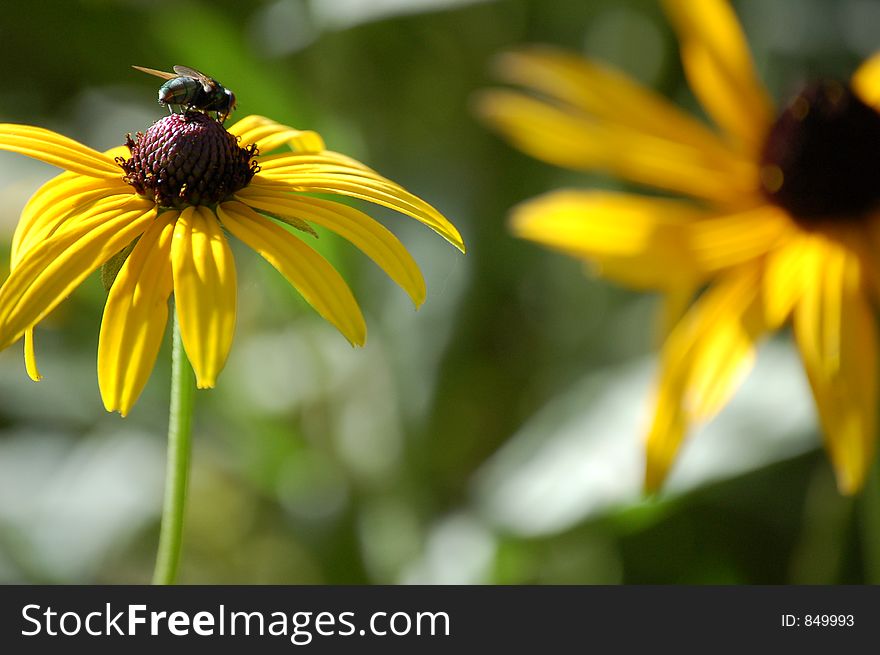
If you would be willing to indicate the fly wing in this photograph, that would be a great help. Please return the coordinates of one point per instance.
(208, 84)
(153, 71)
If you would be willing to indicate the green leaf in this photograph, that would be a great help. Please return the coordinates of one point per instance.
(110, 269)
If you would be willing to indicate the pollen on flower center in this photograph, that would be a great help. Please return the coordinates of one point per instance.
(187, 159)
(821, 159)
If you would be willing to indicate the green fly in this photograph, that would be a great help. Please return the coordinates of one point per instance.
(187, 87)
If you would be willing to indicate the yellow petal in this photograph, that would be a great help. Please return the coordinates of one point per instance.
(571, 139)
(267, 135)
(118, 151)
(720, 242)
(135, 316)
(204, 292)
(719, 68)
(607, 93)
(47, 275)
(635, 240)
(675, 303)
(784, 280)
(55, 202)
(326, 161)
(53, 197)
(866, 80)
(62, 198)
(312, 275)
(703, 362)
(57, 150)
(836, 333)
(372, 238)
(30, 356)
(359, 183)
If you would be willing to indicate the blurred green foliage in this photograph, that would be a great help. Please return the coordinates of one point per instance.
(315, 463)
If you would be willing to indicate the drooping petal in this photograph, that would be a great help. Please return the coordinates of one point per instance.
(57, 150)
(30, 356)
(703, 362)
(635, 240)
(61, 198)
(135, 316)
(58, 200)
(606, 93)
(866, 81)
(360, 183)
(836, 332)
(568, 138)
(47, 275)
(312, 275)
(204, 292)
(719, 68)
(267, 135)
(371, 237)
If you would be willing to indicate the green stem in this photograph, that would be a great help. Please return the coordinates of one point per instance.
(177, 464)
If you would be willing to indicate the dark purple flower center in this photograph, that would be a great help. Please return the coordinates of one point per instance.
(187, 159)
(821, 159)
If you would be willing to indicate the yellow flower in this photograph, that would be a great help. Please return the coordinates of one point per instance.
(776, 218)
(157, 211)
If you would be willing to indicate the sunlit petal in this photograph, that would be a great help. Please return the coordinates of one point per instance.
(204, 292)
(568, 138)
(326, 161)
(47, 275)
(30, 356)
(719, 242)
(57, 150)
(55, 202)
(312, 275)
(372, 238)
(356, 183)
(635, 240)
(719, 67)
(836, 333)
(784, 281)
(703, 362)
(63, 197)
(606, 93)
(135, 316)
(267, 135)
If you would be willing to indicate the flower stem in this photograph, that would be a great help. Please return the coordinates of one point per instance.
(177, 463)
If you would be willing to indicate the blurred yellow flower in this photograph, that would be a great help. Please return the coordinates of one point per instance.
(777, 219)
(155, 210)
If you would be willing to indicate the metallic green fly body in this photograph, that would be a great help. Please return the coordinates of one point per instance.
(187, 87)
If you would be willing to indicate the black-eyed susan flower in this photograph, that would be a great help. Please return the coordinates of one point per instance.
(775, 218)
(158, 212)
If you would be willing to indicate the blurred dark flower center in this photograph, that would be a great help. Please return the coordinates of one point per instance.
(187, 159)
(821, 159)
